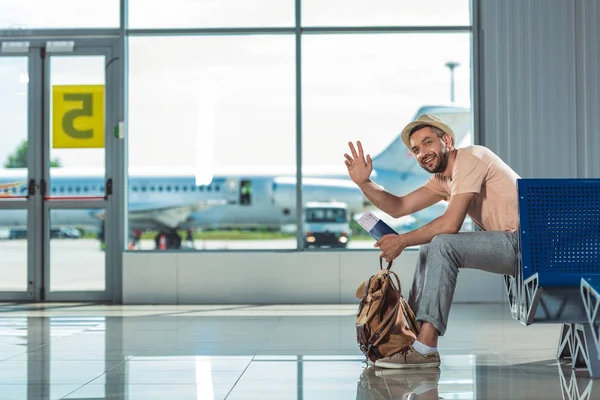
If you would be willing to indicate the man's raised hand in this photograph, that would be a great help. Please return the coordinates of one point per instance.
(359, 168)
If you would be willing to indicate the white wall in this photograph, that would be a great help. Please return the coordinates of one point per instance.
(275, 278)
(540, 85)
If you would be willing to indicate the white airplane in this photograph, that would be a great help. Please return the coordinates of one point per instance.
(166, 200)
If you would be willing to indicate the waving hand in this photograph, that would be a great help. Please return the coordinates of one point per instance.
(359, 168)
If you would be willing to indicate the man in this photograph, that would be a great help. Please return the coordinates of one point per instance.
(475, 182)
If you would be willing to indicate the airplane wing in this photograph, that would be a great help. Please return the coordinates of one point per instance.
(170, 214)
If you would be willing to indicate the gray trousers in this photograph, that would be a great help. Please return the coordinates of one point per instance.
(440, 260)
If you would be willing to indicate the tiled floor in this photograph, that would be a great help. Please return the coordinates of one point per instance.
(74, 351)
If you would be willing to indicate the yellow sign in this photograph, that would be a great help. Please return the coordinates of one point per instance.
(78, 116)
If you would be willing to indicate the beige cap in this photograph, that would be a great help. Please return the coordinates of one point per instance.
(429, 120)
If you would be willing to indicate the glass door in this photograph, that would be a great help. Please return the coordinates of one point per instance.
(59, 130)
(16, 185)
(80, 125)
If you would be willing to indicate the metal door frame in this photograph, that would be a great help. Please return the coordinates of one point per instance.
(83, 47)
(110, 45)
(28, 203)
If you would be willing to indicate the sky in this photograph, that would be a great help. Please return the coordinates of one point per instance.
(230, 100)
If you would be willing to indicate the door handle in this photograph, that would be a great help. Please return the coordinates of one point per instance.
(43, 187)
(31, 188)
(108, 188)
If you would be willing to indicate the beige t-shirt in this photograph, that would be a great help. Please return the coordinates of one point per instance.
(478, 170)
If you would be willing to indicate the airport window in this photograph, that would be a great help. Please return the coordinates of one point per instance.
(386, 13)
(345, 73)
(63, 14)
(211, 14)
(352, 86)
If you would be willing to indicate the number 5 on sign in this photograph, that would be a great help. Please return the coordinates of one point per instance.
(77, 116)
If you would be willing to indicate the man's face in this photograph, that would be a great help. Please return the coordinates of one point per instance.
(430, 150)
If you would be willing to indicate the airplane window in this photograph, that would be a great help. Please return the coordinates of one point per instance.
(160, 188)
(23, 189)
(152, 188)
(201, 188)
(217, 188)
(193, 188)
(168, 188)
(62, 189)
(77, 189)
(209, 188)
(69, 189)
(135, 188)
(184, 188)
(143, 188)
(176, 187)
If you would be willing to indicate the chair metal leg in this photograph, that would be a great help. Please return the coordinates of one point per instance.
(510, 285)
(591, 302)
(575, 389)
(530, 299)
(565, 342)
(585, 353)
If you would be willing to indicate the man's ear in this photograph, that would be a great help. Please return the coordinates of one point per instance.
(447, 140)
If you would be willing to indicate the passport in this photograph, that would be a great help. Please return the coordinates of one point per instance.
(375, 226)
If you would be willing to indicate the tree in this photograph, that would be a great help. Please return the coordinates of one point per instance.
(19, 158)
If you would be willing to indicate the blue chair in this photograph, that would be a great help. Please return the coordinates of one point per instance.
(559, 244)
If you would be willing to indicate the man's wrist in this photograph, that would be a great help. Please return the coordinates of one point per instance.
(364, 183)
(403, 240)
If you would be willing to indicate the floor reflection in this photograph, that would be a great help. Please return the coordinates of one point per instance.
(278, 352)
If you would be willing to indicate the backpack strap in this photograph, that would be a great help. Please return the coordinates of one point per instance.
(381, 263)
(384, 325)
(397, 282)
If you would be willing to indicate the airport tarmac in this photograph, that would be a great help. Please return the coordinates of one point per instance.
(79, 264)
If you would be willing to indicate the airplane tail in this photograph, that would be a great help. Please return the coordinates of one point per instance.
(396, 157)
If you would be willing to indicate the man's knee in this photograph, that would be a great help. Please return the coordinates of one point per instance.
(443, 246)
(443, 241)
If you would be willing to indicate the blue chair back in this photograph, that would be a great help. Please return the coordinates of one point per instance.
(559, 229)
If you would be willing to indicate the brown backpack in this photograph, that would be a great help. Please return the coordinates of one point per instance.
(385, 323)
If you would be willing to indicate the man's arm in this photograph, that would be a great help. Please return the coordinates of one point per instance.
(449, 222)
(399, 206)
